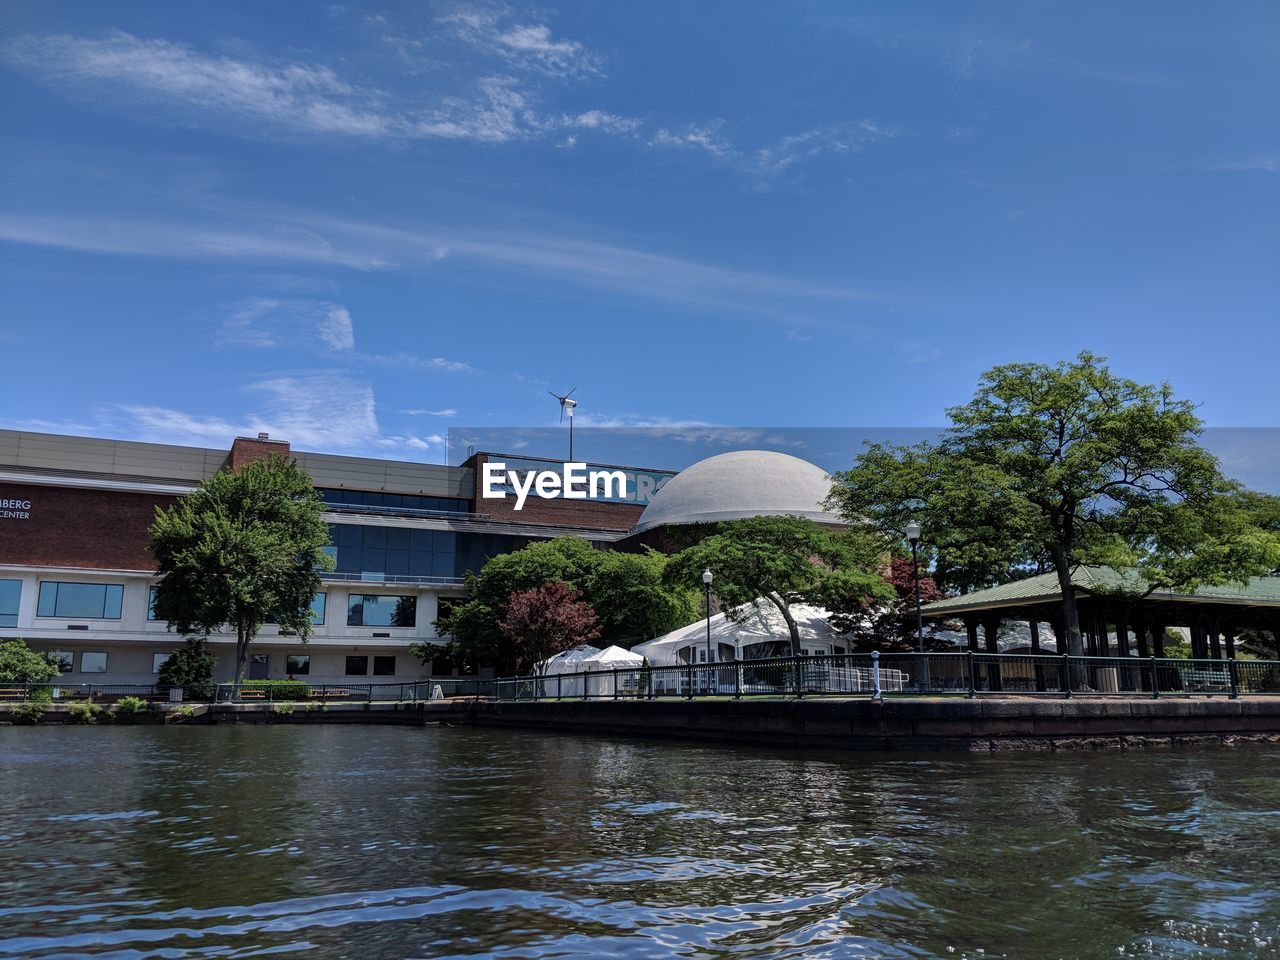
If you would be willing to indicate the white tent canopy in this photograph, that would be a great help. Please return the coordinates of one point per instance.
(566, 662)
(763, 625)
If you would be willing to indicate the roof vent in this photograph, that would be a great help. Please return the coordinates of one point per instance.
(264, 436)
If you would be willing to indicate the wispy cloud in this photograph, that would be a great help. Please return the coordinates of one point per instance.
(415, 362)
(528, 46)
(318, 411)
(827, 139)
(1261, 163)
(336, 329)
(297, 235)
(273, 98)
(415, 412)
(703, 138)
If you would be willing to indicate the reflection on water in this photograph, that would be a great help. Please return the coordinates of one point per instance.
(336, 841)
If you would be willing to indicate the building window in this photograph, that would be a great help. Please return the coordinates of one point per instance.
(93, 662)
(378, 610)
(297, 664)
(10, 597)
(393, 502)
(157, 661)
(66, 661)
(80, 601)
(317, 610)
(393, 551)
(151, 603)
(384, 666)
(357, 666)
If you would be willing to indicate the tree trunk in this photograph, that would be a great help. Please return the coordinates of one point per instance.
(242, 653)
(791, 622)
(1070, 614)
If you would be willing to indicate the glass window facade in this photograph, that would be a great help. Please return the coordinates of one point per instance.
(65, 660)
(317, 610)
(80, 601)
(357, 666)
(384, 666)
(10, 597)
(92, 661)
(394, 501)
(379, 610)
(393, 551)
(297, 664)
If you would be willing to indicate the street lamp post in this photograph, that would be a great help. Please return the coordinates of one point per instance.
(913, 535)
(707, 577)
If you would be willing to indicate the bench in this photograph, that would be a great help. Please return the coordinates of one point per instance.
(1218, 681)
(326, 693)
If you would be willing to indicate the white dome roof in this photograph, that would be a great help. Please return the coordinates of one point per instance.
(745, 483)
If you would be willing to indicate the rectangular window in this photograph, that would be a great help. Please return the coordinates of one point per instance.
(297, 664)
(378, 610)
(157, 661)
(357, 666)
(10, 596)
(80, 601)
(317, 610)
(384, 666)
(151, 603)
(66, 661)
(93, 662)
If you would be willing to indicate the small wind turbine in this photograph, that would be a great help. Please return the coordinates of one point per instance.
(566, 406)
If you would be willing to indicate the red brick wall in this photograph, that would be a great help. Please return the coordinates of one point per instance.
(559, 512)
(79, 528)
(245, 450)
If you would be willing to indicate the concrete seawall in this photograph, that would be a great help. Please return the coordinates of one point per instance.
(905, 724)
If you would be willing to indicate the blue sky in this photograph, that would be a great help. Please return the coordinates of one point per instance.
(357, 226)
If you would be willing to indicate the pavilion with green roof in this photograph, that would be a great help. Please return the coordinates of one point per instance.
(1120, 615)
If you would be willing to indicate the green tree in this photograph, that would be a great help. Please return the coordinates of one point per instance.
(20, 664)
(785, 560)
(190, 666)
(627, 592)
(633, 599)
(242, 550)
(1048, 468)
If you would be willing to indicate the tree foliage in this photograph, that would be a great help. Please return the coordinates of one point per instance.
(544, 620)
(20, 664)
(190, 666)
(1048, 468)
(242, 550)
(627, 592)
(893, 626)
(782, 561)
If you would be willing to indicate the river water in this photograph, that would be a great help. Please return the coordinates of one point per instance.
(346, 841)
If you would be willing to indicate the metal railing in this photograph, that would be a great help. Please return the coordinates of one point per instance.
(874, 675)
(879, 675)
(373, 576)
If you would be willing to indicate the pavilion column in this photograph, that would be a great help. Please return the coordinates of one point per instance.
(1197, 640)
(1215, 639)
(1229, 640)
(1034, 626)
(1157, 638)
(991, 633)
(971, 628)
(1122, 650)
(1140, 640)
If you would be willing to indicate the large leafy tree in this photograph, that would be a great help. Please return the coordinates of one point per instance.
(190, 666)
(1050, 467)
(20, 664)
(626, 591)
(245, 548)
(782, 561)
(544, 620)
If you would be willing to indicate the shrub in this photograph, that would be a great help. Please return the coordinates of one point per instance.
(40, 694)
(283, 709)
(182, 713)
(280, 689)
(29, 711)
(132, 706)
(83, 711)
(189, 667)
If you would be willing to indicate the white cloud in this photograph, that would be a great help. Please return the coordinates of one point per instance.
(831, 138)
(323, 412)
(447, 412)
(416, 362)
(274, 322)
(272, 98)
(527, 46)
(1259, 162)
(336, 330)
(705, 138)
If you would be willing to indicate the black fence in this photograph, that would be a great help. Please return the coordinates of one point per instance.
(842, 675)
(909, 674)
